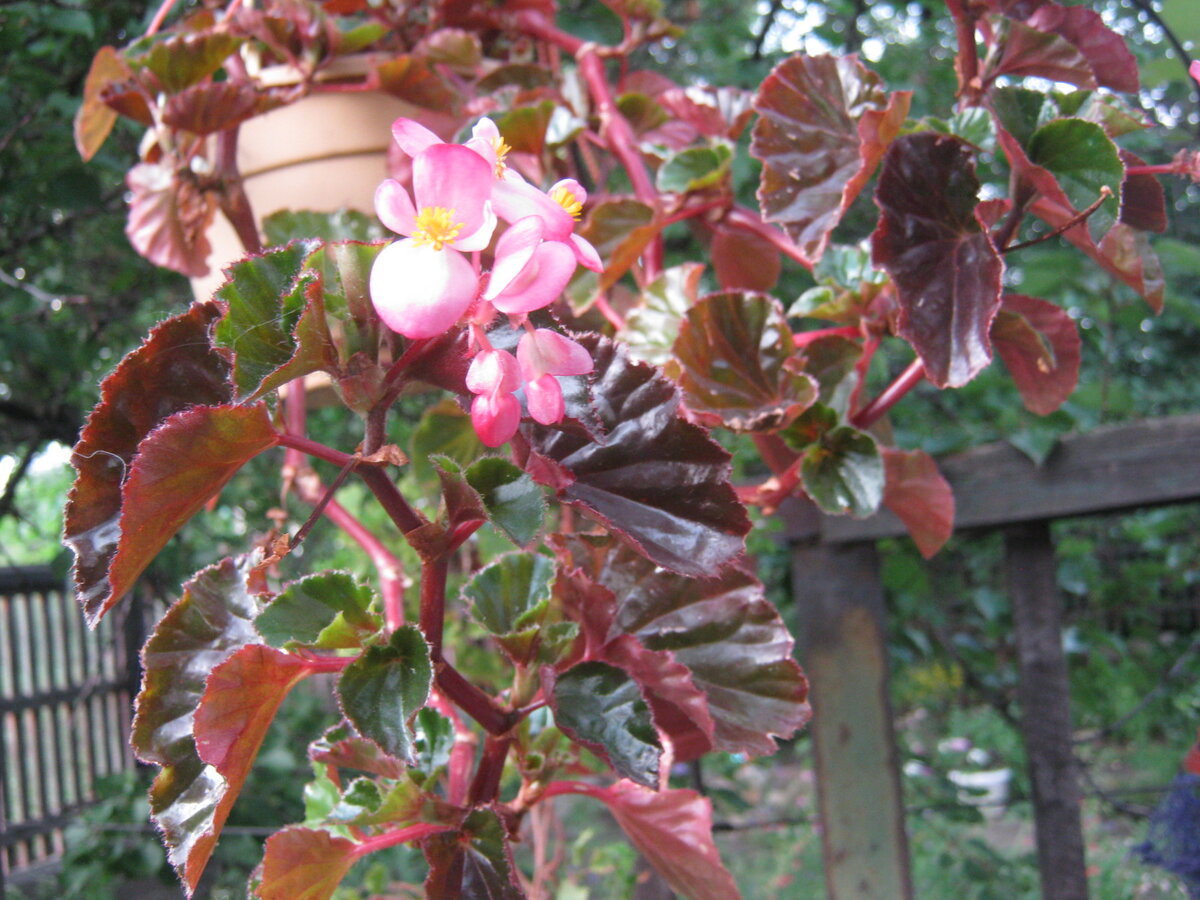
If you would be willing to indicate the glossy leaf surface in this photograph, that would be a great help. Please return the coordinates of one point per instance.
(946, 270)
(601, 706)
(210, 622)
(723, 629)
(304, 864)
(733, 362)
(513, 501)
(381, 690)
(652, 326)
(655, 479)
(824, 124)
(330, 610)
(843, 472)
(474, 863)
(173, 370)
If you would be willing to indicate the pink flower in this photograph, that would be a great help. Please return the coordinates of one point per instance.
(515, 199)
(422, 285)
(542, 354)
(493, 376)
(1194, 69)
(528, 272)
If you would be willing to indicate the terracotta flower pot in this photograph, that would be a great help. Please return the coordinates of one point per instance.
(325, 152)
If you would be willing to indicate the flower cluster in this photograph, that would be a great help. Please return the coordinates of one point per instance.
(426, 283)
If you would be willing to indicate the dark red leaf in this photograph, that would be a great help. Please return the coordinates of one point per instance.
(1026, 51)
(672, 829)
(211, 621)
(173, 370)
(209, 108)
(179, 466)
(474, 863)
(743, 259)
(733, 360)
(946, 270)
(1143, 203)
(825, 123)
(920, 497)
(413, 80)
(1113, 65)
(723, 630)
(1040, 345)
(169, 217)
(654, 479)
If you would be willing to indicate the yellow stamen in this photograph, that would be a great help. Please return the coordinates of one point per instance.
(436, 227)
(568, 201)
(502, 150)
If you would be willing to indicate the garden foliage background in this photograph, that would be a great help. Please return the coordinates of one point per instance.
(74, 297)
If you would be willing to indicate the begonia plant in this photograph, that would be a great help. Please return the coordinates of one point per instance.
(533, 186)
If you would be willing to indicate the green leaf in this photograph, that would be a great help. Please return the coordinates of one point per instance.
(524, 128)
(328, 611)
(507, 591)
(602, 706)
(513, 501)
(1084, 160)
(275, 326)
(444, 430)
(843, 473)
(381, 690)
(435, 740)
(289, 225)
(641, 111)
(734, 362)
(176, 368)
(619, 230)
(183, 60)
(651, 327)
(694, 168)
(207, 625)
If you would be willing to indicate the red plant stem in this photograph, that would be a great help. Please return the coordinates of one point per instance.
(400, 836)
(433, 603)
(234, 202)
(614, 318)
(966, 63)
(390, 498)
(891, 395)
(1105, 193)
(690, 212)
(774, 452)
(321, 664)
(295, 411)
(804, 338)
(388, 567)
(486, 784)
(559, 788)
(313, 448)
(1162, 169)
(159, 17)
(751, 221)
(494, 718)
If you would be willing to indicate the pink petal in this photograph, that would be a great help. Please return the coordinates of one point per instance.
(515, 199)
(421, 292)
(573, 187)
(586, 254)
(453, 177)
(514, 250)
(493, 371)
(484, 137)
(544, 351)
(412, 137)
(495, 417)
(1194, 69)
(482, 236)
(394, 207)
(544, 398)
(540, 282)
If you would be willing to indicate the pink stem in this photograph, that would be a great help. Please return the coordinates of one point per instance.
(1163, 169)
(804, 338)
(160, 17)
(614, 318)
(320, 664)
(877, 408)
(314, 449)
(399, 836)
(473, 701)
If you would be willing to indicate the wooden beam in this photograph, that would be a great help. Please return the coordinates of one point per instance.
(1109, 469)
(843, 648)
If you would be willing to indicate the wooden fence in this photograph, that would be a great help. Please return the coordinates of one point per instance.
(840, 603)
(65, 695)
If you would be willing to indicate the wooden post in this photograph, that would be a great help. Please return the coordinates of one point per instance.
(839, 599)
(1044, 693)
